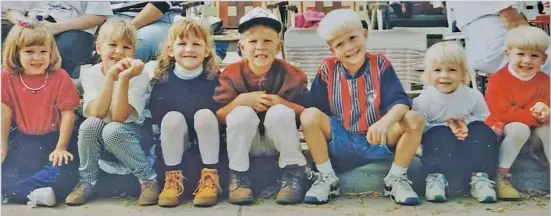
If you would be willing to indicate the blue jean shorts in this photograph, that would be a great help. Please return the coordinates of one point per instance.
(348, 151)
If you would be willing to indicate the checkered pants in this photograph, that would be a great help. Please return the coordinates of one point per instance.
(120, 139)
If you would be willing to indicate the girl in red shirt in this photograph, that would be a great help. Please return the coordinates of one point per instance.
(40, 98)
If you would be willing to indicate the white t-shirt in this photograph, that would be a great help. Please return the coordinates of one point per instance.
(437, 107)
(466, 11)
(62, 10)
(93, 81)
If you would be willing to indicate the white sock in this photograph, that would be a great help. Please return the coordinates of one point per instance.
(94, 182)
(325, 168)
(397, 170)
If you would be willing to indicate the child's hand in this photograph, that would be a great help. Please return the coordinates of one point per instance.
(59, 155)
(119, 67)
(275, 99)
(378, 132)
(257, 100)
(539, 107)
(540, 111)
(458, 127)
(463, 130)
(136, 67)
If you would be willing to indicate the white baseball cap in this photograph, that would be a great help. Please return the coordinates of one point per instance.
(337, 20)
(259, 16)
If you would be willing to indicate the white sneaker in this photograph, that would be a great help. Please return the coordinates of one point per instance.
(323, 187)
(400, 191)
(41, 196)
(435, 190)
(482, 188)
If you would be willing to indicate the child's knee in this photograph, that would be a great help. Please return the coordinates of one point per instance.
(205, 118)
(277, 114)
(242, 115)
(113, 132)
(414, 121)
(517, 131)
(310, 117)
(91, 125)
(173, 121)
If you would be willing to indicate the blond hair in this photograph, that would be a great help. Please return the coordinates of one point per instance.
(337, 23)
(20, 37)
(118, 30)
(181, 29)
(527, 38)
(447, 52)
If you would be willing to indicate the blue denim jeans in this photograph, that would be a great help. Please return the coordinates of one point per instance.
(27, 166)
(75, 48)
(348, 151)
(151, 37)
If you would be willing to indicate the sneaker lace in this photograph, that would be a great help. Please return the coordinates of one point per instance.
(208, 180)
(317, 177)
(482, 183)
(173, 181)
(432, 179)
(401, 182)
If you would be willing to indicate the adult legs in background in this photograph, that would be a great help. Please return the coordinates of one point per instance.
(75, 48)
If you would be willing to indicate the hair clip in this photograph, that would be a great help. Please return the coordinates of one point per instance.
(24, 23)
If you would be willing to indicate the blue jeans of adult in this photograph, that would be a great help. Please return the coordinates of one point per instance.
(150, 37)
(75, 48)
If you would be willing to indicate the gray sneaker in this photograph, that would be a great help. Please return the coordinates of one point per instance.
(80, 194)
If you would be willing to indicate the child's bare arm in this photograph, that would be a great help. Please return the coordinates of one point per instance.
(65, 129)
(395, 113)
(60, 155)
(99, 107)
(120, 107)
(6, 124)
(378, 132)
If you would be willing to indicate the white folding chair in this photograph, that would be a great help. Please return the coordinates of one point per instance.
(404, 49)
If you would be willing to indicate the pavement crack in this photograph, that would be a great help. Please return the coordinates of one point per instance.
(239, 211)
